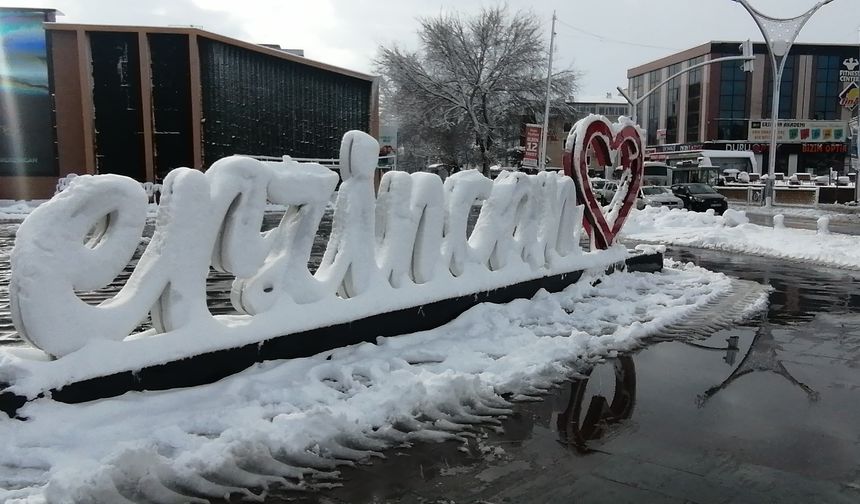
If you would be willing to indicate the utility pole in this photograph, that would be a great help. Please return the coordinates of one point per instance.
(542, 160)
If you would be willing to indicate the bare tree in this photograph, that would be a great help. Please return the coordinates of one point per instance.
(478, 72)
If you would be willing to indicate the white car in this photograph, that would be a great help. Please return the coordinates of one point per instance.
(604, 190)
(657, 196)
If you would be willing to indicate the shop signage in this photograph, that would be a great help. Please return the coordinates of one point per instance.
(741, 146)
(683, 147)
(850, 72)
(530, 156)
(849, 96)
(825, 148)
(798, 131)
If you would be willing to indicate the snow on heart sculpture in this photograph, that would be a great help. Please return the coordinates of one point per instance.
(402, 247)
(595, 139)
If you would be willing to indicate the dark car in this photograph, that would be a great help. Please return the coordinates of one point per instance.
(700, 197)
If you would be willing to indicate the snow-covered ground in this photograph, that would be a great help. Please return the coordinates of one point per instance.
(16, 211)
(733, 233)
(292, 422)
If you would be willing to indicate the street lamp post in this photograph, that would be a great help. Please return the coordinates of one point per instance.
(857, 144)
(779, 34)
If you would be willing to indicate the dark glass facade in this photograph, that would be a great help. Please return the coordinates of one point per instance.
(654, 105)
(117, 104)
(247, 95)
(731, 115)
(694, 101)
(786, 90)
(673, 104)
(826, 87)
(171, 97)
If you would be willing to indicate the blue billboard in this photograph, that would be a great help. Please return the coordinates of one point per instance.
(26, 124)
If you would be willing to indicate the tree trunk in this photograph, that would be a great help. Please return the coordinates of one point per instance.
(485, 159)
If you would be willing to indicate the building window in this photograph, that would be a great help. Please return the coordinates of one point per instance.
(694, 100)
(786, 90)
(673, 103)
(731, 117)
(654, 78)
(826, 88)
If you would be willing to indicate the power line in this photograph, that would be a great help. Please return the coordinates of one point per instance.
(612, 40)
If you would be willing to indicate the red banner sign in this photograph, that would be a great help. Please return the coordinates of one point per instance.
(532, 147)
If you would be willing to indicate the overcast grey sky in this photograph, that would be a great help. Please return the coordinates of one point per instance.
(347, 33)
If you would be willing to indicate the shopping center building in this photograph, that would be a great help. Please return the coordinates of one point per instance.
(722, 107)
(140, 101)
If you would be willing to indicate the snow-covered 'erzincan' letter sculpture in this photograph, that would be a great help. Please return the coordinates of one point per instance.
(405, 247)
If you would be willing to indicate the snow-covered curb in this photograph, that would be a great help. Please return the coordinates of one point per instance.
(732, 233)
(834, 212)
(341, 406)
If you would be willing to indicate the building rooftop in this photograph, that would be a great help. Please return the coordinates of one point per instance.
(193, 30)
(605, 98)
(727, 47)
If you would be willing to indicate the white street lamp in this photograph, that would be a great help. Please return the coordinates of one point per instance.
(779, 34)
(857, 144)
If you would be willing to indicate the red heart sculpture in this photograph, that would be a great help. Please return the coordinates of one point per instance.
(604, 138)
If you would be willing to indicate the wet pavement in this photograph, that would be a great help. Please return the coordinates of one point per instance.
(763, 412)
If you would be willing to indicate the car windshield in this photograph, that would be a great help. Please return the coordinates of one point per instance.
(701, 189)
(653, 191)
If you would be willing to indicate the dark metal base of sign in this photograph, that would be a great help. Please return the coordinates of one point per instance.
(212, 366)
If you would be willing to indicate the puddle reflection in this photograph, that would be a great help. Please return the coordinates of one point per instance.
(578, 430)
(763, 356)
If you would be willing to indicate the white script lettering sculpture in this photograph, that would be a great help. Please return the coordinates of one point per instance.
(382, 248)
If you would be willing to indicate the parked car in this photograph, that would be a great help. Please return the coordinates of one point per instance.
(604, 190)
(442, 169)
(700, 197)
(657, 196)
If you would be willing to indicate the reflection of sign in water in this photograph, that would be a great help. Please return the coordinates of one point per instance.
(799, 131)
(577, 431)
(26, 142)
(533, 132)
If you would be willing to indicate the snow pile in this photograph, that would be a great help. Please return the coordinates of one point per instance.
(290, 423)
(17, 210)
(729, 233)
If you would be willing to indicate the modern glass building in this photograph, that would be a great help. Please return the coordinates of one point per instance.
(140, 101)
(722, 107)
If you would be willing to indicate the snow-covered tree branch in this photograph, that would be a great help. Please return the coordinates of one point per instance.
(472, 75)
